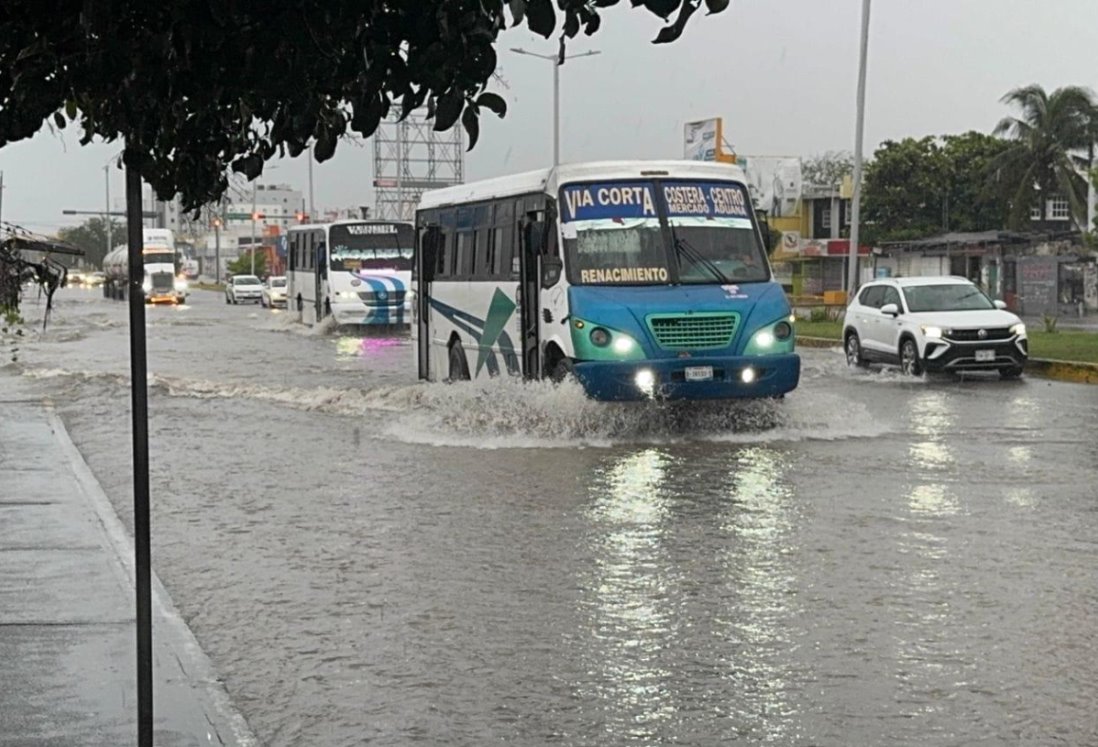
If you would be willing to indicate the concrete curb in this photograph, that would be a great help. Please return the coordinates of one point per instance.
(170, 630)
(1075, 372)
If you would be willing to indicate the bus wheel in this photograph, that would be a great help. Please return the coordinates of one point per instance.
(562, 370)
(459, 365)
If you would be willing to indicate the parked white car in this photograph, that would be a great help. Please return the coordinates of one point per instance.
(243, 288)
(274, 292)
(933, 324)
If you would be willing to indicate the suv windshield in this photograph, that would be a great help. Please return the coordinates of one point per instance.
(246, 280)
(951, 297)
(647, 233)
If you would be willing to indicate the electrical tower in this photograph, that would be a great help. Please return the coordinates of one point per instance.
(411, 158)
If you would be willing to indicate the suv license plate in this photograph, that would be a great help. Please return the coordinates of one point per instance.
(983, 356)
(699, 373)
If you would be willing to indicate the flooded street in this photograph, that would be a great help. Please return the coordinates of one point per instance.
(367, 559)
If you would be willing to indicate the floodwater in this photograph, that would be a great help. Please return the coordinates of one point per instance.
(368, 559)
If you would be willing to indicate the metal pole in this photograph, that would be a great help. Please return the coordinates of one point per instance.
(856, 198)
(140, 409)
(556, 112)
(217, 252)
(1, 195)
(107, 213)
(252, 245)
(311, 205)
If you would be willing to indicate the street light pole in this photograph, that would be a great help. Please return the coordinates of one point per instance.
(107, 216)
(856, 197)
(557, 60)
(310, 156)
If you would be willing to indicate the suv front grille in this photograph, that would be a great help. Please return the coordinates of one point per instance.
(700, 331)
(973, 335)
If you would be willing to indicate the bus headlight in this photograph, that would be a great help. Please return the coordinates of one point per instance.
(597, 342)
(147, 285)
(600, 337)
(623, 344)
(645, 381)
(771, 339)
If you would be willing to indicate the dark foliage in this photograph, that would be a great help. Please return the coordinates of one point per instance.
(197, 87)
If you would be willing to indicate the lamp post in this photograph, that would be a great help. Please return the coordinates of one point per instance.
(859, 126)
(252, 244)
(557, 60)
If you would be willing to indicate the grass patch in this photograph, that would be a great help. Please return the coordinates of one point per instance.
(829, 330)
(208, 286)
(1064, 345)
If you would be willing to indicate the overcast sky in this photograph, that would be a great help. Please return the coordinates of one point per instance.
(782, 73)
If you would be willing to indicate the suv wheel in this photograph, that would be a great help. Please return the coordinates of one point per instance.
(909, 358)
(853, 348)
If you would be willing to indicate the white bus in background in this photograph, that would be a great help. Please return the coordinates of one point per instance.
(162, 283)
(356, 271)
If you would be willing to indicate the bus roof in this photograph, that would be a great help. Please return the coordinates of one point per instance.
(547, 180)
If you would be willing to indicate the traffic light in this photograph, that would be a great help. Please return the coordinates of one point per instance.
(300, 215)
(258, 216)
(217, 222)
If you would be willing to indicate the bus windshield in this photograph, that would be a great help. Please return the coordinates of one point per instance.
(645, 233)
(371, 246)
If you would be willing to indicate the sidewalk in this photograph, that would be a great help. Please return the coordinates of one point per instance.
(67, 633)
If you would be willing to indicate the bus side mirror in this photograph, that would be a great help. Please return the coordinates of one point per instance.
(429, 253)
(551, 269)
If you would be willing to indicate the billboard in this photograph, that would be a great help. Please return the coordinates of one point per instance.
(702, 140)
(774, 182)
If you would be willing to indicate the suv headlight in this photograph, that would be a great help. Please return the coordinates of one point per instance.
(1018, 329)
(932, 333)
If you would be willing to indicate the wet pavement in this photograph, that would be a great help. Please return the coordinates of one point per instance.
(368, 559)
(67, 609)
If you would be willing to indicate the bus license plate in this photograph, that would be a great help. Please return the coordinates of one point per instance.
(983, 356)
(699, 373)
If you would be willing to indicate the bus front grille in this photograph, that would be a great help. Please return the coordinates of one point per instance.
(700, 331)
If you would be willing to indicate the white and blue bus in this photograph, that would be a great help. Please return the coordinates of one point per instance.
(356, 271)
(640, 279)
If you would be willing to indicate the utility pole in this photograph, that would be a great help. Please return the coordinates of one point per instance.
(107, 209)
(557, 60)
(217, 249)
(1, 195)
(252, 245)
(856, 198)
(311, 206)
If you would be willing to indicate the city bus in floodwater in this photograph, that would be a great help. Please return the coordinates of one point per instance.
(356, 271)
(640, 279)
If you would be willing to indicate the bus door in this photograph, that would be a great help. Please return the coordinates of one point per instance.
(426, 262)
(321, 275)
(528, 297)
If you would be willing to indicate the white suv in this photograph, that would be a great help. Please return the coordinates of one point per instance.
(933, 324)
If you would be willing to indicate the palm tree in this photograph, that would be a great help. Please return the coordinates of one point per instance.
(1049, 140)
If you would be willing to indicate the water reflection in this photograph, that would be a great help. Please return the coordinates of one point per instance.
(756, 561)
(931, 418)
(632, 618)
(684, 640)
(365, 347)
